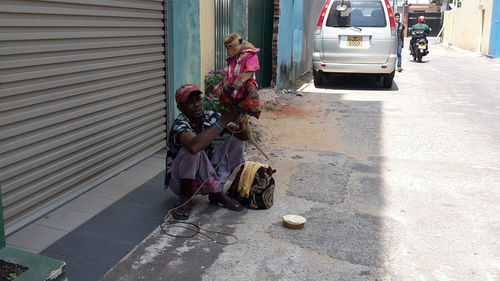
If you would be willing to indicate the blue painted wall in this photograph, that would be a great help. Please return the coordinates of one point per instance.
(295, 39)
(285, 44)
(494, 49)
(184, 47)
(239, 24)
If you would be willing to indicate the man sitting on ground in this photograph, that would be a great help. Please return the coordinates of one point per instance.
(192, 160)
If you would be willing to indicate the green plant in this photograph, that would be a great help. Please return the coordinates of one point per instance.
(213, 78)
(12, 276)
(212, 103)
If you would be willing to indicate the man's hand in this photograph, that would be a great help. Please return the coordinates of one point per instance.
(233, 128)
(238, 131)
(230, 116)
(244, 130)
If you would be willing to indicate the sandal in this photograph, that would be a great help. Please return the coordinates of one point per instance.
(183, 212)
(222, 200)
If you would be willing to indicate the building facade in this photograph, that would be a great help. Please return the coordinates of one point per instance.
(471, 26)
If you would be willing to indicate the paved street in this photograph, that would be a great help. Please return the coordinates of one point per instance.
(399, 184)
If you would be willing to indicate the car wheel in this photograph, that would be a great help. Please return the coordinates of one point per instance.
(318, 78)
(387, 82)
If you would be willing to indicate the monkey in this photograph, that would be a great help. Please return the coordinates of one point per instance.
(239, 87)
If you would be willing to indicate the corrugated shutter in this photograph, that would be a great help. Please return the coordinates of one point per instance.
(223, 21)
(82, 96)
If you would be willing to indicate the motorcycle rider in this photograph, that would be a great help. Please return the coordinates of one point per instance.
(419, 26)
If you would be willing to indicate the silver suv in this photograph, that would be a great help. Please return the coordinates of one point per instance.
(357, 37)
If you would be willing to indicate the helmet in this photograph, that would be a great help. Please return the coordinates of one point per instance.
(421, 19)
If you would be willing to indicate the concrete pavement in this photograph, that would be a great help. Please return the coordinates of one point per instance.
(399, 184)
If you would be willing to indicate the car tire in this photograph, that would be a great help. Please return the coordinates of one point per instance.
(318, 78)
(388, 79)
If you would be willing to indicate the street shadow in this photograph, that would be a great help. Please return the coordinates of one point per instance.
(196, 252)
(423, 61)
(355, 82)
(97, 245)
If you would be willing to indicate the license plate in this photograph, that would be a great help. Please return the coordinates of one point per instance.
(354, 41)
(421, 46)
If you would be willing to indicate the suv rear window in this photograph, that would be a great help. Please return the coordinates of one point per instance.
(358, 13)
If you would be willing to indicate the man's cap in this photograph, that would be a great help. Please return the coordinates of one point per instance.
(183, 92)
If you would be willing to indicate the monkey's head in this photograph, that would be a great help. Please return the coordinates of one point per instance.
(233, 43)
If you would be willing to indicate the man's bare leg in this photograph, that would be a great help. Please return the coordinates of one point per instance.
(184, 211)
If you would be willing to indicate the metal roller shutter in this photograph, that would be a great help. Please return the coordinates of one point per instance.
(82, 97)
(223, 26)
(433, 20)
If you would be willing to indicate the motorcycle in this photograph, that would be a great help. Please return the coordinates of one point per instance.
(420, 45)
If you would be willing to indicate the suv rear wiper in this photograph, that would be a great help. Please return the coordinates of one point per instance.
(358, 28)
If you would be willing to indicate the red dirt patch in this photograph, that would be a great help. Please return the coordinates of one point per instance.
(291, 111)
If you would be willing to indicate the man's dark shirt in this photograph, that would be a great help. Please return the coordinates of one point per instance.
(400, 29)
(182, 124)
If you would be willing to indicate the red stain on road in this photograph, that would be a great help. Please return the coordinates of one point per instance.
(291, 111)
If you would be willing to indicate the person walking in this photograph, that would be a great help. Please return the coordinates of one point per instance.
(400, 27)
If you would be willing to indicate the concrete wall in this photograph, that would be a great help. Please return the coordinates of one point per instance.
(184, 47)
(207, 39)
(285, 44)
(448, 19)
(2, 231)
(186, 42)
(297, 24)
(469, 27)
(239, 23)
(312, 9)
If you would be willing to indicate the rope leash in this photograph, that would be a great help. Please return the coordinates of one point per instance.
(195, 228)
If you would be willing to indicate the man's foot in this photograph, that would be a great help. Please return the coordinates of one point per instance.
(400, 69)
(225, 201)
(183, 209)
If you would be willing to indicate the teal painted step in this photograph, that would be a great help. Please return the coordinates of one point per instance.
(40, 268)
(2, 230)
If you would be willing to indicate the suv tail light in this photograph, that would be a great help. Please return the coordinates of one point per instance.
(391, 17)
(322, 16)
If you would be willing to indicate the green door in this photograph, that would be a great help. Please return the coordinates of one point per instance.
(260, 34)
